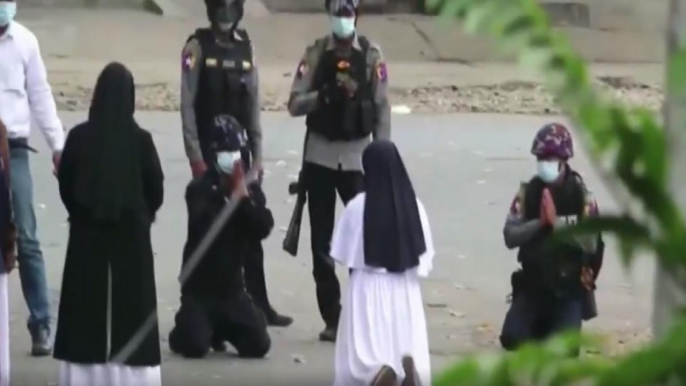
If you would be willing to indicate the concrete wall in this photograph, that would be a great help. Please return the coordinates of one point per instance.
(84, 3)
(606, 15)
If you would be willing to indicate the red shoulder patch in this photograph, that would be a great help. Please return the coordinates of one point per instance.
(382, 71)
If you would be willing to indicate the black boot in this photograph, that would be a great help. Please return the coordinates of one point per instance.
(328, 335)
(277, 320)
(218, 345)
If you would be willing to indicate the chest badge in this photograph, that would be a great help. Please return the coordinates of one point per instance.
(228, 64)
(211, 62)
(343, 65)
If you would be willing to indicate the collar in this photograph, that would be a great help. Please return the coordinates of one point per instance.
(331, 43)
(236, 36)
(9, 33)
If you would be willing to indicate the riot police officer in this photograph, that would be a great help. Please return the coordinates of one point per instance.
(341, 86)
(554, 290)
(215, 307)
(220, 76)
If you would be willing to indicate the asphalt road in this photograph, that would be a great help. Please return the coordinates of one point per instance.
(466, 169)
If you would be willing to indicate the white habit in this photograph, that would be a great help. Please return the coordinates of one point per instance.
(4, 332)
(72, 374)
(382, 317)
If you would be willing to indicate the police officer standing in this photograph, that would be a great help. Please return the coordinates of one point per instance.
(554, 290)
(219, 77)
(341, 86)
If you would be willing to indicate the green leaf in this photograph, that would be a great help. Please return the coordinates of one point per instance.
(637, 142)
(621, 225)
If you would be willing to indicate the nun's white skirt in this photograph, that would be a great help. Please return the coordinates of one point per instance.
(382, 320)
(72, 374)
(4, 332)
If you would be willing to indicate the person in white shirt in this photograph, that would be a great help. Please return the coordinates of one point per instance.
(384, 239)
(25, 95)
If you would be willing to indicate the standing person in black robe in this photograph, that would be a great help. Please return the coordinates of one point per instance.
(215, 307)
(111, 183)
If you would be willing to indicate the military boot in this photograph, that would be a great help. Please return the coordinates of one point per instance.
(277, 320)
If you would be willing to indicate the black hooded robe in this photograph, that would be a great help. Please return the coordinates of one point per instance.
(123, 251)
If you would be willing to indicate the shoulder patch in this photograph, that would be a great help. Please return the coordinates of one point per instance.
(188, 60)
(302, 70)
(517, 206)
(382, 71)
(190, 54)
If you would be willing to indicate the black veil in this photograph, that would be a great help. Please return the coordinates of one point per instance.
(109, 180)
(393, 234)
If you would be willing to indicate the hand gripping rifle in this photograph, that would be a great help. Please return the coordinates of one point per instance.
(299, 188)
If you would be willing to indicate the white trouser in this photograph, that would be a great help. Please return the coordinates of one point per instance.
(4, 332)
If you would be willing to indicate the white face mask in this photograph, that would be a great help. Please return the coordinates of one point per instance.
(226, 160)
(548, 171)
(343, 27)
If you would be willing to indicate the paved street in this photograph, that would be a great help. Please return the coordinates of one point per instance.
(466, 169)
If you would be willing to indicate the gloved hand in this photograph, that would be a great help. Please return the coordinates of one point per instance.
(348, 84)
(198, 168)
(257, 194)
(332, 94)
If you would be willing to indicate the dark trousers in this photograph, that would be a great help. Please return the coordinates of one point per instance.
(531, 318)
(235, 320)
(255, 281)
(322, 185)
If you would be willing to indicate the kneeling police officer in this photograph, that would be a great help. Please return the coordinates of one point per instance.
(554, 290)
(215, 306)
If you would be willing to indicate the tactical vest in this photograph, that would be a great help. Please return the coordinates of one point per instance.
(222, 86)
(553, 268)
(355, 118)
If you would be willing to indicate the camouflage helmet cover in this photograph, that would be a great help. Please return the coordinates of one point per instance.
(553, 140)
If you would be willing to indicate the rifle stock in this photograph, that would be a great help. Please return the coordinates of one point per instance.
(292, 238)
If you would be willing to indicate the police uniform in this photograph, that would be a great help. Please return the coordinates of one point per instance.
(337, 134)
(554, 290)
(215, 306)
(221, 78)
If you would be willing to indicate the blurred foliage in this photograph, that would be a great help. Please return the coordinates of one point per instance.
(629, 150)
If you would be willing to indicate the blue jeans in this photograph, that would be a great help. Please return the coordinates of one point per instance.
(34, 284)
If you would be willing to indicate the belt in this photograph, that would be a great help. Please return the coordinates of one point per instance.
(20, 143)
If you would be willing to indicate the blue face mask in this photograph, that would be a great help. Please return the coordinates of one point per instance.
(8, 10)
(548, 171)
(343, 27)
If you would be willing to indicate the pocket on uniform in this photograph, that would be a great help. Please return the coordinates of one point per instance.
(12, 80)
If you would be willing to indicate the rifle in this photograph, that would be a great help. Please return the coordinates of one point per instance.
(292, 238)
